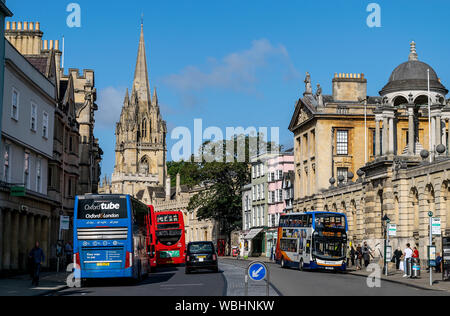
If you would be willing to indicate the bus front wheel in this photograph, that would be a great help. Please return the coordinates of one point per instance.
(283, 264)
(300, 265)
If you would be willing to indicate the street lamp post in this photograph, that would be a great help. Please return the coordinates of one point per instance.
(430, 215)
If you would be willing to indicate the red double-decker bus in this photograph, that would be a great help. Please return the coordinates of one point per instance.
(170, 238)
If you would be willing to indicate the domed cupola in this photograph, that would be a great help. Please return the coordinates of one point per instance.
(412, 77)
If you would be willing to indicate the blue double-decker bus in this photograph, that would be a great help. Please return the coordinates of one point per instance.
(111, 235)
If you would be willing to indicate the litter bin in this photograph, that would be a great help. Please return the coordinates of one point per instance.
(415, 263)
(408, 268)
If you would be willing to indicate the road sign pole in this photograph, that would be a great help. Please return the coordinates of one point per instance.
(257, 271)
(431, 242)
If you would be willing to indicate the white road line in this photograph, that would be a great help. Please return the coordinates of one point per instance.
(180, 285)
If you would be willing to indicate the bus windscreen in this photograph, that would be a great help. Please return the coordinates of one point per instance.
(113, 208)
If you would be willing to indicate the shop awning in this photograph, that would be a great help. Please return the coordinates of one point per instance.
(253, 233)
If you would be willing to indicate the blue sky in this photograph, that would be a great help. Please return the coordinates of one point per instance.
(237, 62)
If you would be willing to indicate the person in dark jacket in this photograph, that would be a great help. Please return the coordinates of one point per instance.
(397, 258)
(352, 255)
(37, 257)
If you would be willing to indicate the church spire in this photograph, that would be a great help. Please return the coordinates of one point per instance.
(155, 97)
(140, 84)
(126, 101)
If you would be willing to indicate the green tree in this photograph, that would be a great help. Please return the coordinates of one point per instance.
(223, 179)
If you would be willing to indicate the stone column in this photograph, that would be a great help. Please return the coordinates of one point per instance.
(44, 239)
(444, 132)
(37, 228)
(377, 137)
(391, 136)
(31, 228)
(433, 134)
(438, 130)
(385, 136)
(1, 238)
(411, 136)
(15, 240)
(23, 245)
(448, 138)
(7, 240)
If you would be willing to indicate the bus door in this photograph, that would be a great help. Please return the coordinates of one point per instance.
(308, 248)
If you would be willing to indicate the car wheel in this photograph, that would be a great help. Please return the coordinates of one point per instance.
(216, 270)
(283, 264)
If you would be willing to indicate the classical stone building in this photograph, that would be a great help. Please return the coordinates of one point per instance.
(402, 172)
(140, 137)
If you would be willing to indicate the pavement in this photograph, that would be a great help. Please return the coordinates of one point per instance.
(50, 282)
(423, 282)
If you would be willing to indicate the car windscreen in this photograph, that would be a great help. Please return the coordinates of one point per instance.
(201, 248)
(104, 208)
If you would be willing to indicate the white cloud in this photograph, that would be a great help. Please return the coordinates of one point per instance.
(237, 71)
(110, 102)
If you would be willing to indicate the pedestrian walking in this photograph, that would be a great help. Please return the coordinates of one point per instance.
(358, 255)
(407, 255)
(352, 255)
(366, 253)
(38, 257)
(397, 258)
(438, 263)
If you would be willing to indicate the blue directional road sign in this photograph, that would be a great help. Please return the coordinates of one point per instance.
(257, 271)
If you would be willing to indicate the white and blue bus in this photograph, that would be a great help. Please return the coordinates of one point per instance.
(111, 234)
(312, 240)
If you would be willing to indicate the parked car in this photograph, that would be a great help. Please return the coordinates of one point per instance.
(201, 255)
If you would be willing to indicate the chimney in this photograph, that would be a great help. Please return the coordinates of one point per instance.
(168, 187)
(45, 45)
(8, 25)
(38, 26)
(178, 184)
(349, 87)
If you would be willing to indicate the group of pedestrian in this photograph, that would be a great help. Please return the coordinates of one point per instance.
(401, 258)
(360, 254)
(36, 258)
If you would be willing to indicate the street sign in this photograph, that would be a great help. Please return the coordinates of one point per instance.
(257, 271)
(64, 222)
(436, 226)
(18, 191)
(392, 229)
(388, 254)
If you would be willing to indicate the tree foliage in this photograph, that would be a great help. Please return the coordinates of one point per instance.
(223, 179)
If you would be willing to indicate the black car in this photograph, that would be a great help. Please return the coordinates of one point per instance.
(201, 255)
